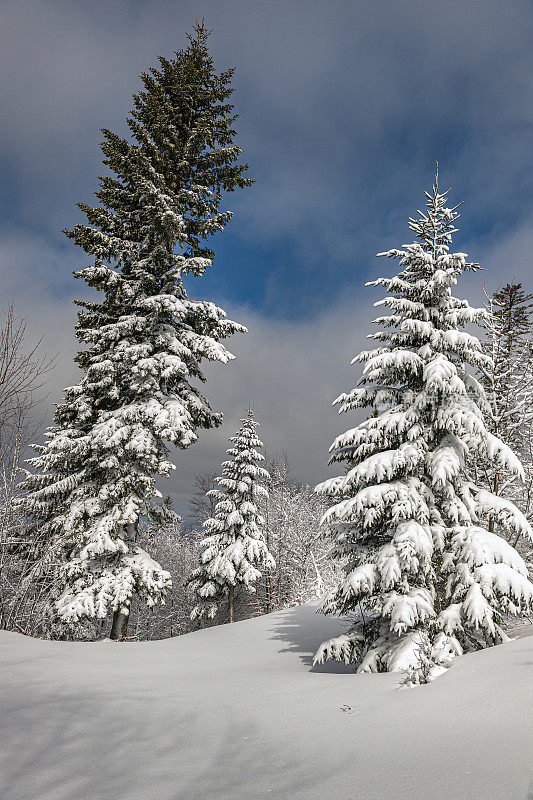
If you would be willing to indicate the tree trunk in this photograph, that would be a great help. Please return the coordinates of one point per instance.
(231, 609)
(268, 592)
(119, 628)
(495, 490)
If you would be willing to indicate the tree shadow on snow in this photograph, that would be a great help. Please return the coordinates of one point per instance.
(304, 630)
(69, 746)
(60, 747)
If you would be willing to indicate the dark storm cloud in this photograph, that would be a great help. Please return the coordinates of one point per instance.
(343, 102)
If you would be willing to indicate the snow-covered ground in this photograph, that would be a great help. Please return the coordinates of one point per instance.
(238, 713)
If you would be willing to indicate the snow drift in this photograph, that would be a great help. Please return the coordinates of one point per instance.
(237, 712)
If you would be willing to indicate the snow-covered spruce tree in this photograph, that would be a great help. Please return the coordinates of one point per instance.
(407, 518)
(143, 342)
(508, 383)
(234, 548)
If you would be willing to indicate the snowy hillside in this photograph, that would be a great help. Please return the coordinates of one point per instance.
(237, 713)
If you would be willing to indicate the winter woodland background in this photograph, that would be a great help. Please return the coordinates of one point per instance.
(97, 515)
(303, 568)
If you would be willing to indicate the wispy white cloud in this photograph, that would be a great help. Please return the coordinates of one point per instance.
(290, 370)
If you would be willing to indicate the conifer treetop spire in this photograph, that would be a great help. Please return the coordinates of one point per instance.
(435, 227)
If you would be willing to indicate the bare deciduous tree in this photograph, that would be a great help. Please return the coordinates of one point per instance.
(181, 553)
(304, 569)
(201, 504)
(24, 370)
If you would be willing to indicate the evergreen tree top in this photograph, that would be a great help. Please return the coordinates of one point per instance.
(245, 453)
(511, 307)
(428, 268)
(180, 160)
(247, 430)
(435, 227)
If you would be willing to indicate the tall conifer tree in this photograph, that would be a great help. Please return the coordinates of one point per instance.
(410, 525)
(144, 341)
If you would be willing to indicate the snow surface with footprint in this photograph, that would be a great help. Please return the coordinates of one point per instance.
(237, 712)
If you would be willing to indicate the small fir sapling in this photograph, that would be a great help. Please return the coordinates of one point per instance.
(234, 547)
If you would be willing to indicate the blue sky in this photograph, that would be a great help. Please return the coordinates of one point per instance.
(344, 108)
